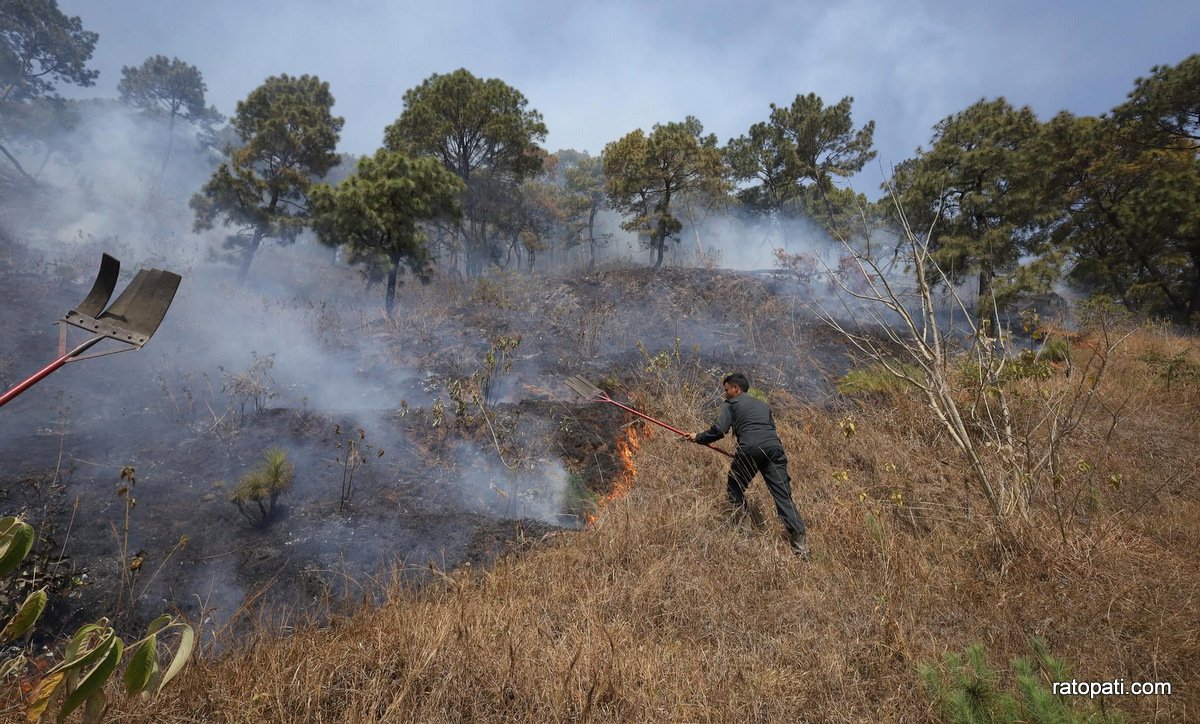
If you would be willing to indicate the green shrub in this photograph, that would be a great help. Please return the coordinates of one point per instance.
(875, 380)
(1037, 364)
(968, 691)
(263, 486)
(1057, 349)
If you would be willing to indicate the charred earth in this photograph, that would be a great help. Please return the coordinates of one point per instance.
(437, 438)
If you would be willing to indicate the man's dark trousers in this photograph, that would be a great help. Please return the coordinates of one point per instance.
(772, 463)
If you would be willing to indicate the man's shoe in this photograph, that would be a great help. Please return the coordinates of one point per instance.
(800, 547)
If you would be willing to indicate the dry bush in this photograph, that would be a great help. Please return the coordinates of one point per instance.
(1013, 418)
(423, 312)
(664, 611)
(586, 324)
(504, 295)
(253, 387)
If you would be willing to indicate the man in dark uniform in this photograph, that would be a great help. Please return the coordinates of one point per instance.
(758, 451)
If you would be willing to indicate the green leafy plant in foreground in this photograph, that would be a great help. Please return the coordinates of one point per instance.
(967, 690)
(92, 655)
(16, 541)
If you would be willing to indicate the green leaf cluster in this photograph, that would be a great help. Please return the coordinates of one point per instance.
(875, 379)
(1165, 104)
(92, 657)
(167, 86)
(40, 47)
(93, 653)
(586, 197)
(793, 158)
(1127, 212)
(1109, 202)
(483, 131)
(470, 124)
(16, 540)
(977, 191)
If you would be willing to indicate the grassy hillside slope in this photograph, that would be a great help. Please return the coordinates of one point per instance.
(665, 610)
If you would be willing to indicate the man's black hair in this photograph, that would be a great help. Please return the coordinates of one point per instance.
(739, 379)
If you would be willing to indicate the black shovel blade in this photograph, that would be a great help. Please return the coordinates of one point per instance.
(136, 314)
(102, 288)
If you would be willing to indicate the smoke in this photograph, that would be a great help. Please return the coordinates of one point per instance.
(115, 190)
(112, 180)
(819, 273)
(750, 242)
(299, 352)
(719, 239)
(534, 490)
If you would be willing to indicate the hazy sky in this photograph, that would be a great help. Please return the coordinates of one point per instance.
(597, 70)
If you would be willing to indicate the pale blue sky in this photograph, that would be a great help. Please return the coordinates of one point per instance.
(597, 70)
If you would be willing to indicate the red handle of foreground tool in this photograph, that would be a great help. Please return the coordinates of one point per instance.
(660, 423)
(45, 371)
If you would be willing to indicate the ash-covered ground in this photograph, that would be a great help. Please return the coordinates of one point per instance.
(468, 443)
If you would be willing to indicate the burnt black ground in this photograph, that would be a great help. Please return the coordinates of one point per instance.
(440, 495)
(64, 442)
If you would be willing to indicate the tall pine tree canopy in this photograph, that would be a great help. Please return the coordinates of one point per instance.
(289, 134)
(380, 208)
(483, 131)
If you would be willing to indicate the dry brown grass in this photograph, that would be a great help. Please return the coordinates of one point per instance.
(664, 611)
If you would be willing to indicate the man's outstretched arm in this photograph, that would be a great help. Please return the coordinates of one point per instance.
(718, 430)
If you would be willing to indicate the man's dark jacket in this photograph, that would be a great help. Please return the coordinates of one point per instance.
(751, 421)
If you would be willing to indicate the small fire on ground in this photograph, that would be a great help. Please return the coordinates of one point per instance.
(626, 446)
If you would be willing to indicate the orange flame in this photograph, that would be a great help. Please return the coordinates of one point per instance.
(627, 445)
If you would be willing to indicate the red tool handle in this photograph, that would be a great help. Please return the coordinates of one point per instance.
(660, 423)
(45, 371)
